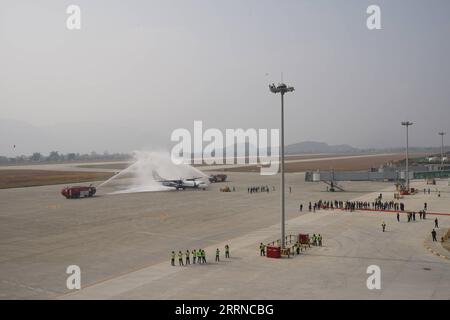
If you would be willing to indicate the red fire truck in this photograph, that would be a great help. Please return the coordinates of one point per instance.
(76, 192)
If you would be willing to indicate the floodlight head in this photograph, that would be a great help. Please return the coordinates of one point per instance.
(273, 88)
(442, 133)
(407, 123)
(281, 88)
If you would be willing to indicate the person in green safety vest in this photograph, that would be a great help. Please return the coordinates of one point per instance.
(203, 256)
(262, 250)
(227, 251)
(194, 255)
(180, 258)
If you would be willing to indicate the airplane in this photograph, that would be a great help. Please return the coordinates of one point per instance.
(181, 184)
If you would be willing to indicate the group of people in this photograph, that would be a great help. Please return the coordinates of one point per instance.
(412, 215)
(198, 256)
(388, 205)
(256, 189)
(316, 240)
(364, 205)
(354, 205)
(437, 191)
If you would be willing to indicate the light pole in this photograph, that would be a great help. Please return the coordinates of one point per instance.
(282, 89)
(442, 134)
(407, 124)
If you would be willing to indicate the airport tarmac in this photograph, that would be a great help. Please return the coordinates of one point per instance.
(122, 244)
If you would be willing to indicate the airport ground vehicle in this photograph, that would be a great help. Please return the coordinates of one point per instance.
(75, 192)
(217, 178)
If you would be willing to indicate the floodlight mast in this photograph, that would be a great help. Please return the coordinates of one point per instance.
(442, 134)
(407, 124)
(282, 89)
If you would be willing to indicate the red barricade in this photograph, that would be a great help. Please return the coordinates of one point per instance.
(303, 238)
(273, 252)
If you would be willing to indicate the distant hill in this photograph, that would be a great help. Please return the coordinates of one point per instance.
(319, 147)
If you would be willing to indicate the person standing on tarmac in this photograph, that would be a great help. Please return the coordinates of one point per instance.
(180, 258)
(194, 255)
(227, 251)
(398, 217)
(436, 223)
(199, 256)
(314, 240)
(172, 258)
(319, 237)
(262, 250)
(217, 255)
(383, 225)
(188, 258)
(204, 256)
(433, 234)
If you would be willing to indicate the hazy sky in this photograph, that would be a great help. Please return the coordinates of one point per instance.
(139, 69)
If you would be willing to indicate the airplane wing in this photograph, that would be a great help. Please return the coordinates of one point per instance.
(194, 178)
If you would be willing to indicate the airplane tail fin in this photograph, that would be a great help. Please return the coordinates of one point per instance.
(156, 176)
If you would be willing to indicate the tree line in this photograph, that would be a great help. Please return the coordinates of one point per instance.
(55, 156)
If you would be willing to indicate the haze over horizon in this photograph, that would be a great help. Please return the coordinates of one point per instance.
(122, 83)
